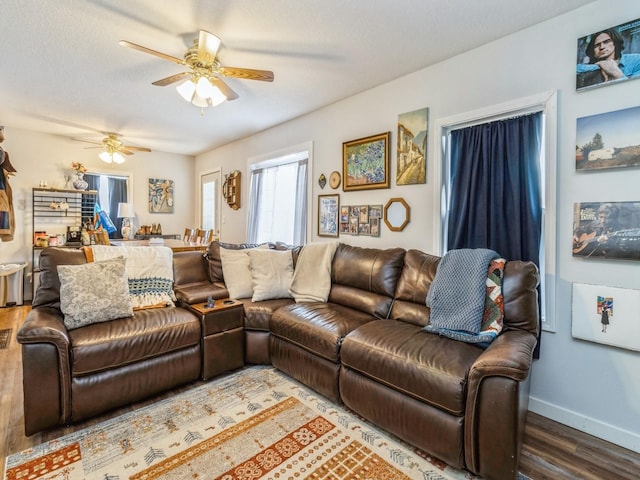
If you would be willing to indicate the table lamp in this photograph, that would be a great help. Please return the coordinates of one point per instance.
(126, 212)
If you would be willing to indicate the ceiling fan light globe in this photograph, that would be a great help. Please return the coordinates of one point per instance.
(199, 101)
(217, 97)
(105, 157)
(117, 158)
(187, 90)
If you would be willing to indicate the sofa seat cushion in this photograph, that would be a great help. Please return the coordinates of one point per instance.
(150, 333)
(258, 314)
(403, 356)
(198, 292)
(317, 327)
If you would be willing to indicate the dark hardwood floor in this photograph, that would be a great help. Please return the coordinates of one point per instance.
(551, 451)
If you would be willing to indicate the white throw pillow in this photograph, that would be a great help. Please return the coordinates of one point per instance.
(94, 292)
(237, 271)
(271, 272)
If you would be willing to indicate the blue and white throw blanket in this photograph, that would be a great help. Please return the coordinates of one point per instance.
(457, 295)
(150, 272)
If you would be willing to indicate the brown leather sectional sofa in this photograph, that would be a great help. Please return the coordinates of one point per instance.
(365, 347)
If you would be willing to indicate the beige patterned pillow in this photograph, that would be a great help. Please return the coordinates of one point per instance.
(94, 292)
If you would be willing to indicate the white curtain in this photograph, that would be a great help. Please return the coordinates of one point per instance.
(278, 201)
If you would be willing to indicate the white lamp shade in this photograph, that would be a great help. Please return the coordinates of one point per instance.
(126, 210)
(186, 90)
(105, 157)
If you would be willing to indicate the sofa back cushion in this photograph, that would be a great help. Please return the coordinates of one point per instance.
(418, 273)
(190, 267)
(48, 292)
(214, 261)
(365, 278)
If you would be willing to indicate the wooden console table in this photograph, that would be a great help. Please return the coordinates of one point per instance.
(173, 244)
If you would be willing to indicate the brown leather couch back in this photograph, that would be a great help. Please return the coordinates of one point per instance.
(417, 275)
(519, 288)
(365, 278)
(48, 292)
(215, 264)
(189, 267)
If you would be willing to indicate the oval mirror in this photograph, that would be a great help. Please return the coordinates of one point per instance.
(397, 214)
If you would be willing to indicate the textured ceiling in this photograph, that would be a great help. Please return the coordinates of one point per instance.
(63, 71)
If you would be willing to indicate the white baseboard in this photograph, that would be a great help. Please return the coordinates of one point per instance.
(594, 427)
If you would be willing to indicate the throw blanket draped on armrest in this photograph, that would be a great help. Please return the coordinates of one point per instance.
(457, 295)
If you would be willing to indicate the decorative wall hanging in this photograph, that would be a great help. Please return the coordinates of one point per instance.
(322, 181)
(232, 188)
(411, 158)
(397, 214)
(328, 211)
(334, 180)
(608, 140)
(160, 195)
(607, 230)
(360, 220)
(606, 315)
(608, 56)
(365, 163)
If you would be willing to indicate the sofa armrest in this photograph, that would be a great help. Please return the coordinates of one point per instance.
(509, 355)
(497, 401)
(46, 369)
(44, 325)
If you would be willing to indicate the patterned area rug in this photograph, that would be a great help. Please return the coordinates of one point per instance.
(255, 423)
(5, 336)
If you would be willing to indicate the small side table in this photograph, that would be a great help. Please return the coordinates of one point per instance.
(222, 336)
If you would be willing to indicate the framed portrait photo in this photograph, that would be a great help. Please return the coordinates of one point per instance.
(608, 56)
(328, 215)
(365, 163)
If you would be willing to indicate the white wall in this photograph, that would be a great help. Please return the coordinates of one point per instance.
(38, 156)
(589, 386)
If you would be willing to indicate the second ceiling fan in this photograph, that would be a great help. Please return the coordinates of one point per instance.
(202, 84)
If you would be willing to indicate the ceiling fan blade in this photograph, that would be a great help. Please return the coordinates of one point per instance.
(247, 73)
(125, 151)
(172, 79)
(86, 141)
(137, 149)
(140, 48)
(208, 45)
(224, 88)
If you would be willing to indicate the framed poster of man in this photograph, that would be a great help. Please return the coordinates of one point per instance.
(608, 56)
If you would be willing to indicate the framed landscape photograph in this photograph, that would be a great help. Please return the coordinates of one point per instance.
(411, 164)
(365, 163)
(608, 56)
(328, 215)
(160, 195)
(608, 140)
(606, 230)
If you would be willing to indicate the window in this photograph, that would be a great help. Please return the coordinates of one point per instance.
(546, 104)
(112, 190)
(209, 200)
(278, 198)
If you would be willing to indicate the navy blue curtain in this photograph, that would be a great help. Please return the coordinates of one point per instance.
(117, 194)
(496, 200)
